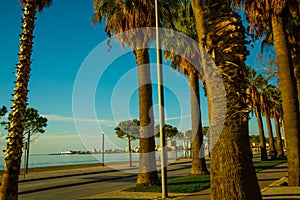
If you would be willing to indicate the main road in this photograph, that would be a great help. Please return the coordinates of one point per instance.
(84, 185)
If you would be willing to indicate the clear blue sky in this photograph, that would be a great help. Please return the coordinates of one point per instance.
(65, 37)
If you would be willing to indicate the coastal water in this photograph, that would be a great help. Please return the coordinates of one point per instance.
(43, 160)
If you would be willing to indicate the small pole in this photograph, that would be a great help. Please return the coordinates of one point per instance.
(27, 158)
(103, 149)
(175, 148)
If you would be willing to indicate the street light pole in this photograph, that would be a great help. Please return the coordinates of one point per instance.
(103, 148)
(161, 109)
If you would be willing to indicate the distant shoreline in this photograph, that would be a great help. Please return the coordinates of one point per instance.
(66, 167)
(76, 166)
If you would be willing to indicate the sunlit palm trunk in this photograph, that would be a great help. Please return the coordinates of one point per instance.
(232, 171)
(147, 170)
(198, 9)
(262, 139)
(198, 160)
(297, 69)
(273, 152)
(279, 140)
(290, 102)
(13, 153)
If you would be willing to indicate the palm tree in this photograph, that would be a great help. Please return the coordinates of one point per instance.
(277, 114)
(254, 87)
(232, 171)
(123, 16)
(266, 101)
(272, 16)
(13, 153)
(184, 22)
(293, 29)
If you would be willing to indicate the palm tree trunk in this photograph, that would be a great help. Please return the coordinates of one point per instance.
(262, 139)
(273, 152)
(198, 160)
(198, 10)
(232, 171)
(290, 102)
(297, 65)
(147, 171)
(226, 154)
(279, 140)
(13, 153)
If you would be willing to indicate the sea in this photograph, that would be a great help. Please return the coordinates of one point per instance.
(45, 160)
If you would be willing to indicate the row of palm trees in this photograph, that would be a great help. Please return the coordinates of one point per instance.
(220, 32)
(264, 98)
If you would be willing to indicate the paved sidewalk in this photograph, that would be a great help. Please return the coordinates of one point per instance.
(279, 190)
(272, 181)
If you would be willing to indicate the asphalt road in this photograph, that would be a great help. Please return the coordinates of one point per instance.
(81, 186)
(76, 187)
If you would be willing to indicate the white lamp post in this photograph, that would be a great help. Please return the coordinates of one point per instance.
(161, 110)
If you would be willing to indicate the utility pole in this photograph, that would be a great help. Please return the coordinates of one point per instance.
(27, 156)
(103, 148)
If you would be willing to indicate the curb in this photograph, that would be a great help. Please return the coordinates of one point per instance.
(273, 184)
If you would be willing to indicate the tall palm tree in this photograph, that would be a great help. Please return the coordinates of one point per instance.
(123, 16)
(184, 22)
(232, 171)
(254, 87)
(293, 29)
(266, 101)
(13, 153)
(272, 16)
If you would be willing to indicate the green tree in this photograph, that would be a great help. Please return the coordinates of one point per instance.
(205, 130)
(3, 111)
(232, 172)
(254, 139)
(13, 153)
(33, 124)
(128, 15)
(128, 129)
(170, 131)
(273, 16)
(188, 135)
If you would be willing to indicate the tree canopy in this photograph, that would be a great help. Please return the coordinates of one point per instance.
(128, 129)
(170, 131)
(3, 111)
(188, 133)
(34, 123)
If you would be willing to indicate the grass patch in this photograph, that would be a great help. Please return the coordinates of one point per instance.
(186, 184)
(261, 165)
(144, 188)
(195, 183)
(189, 184)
